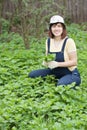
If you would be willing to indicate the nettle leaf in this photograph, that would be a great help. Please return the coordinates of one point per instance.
(49, 57)
(58, 106)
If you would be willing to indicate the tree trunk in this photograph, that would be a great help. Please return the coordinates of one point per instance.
(24, 28)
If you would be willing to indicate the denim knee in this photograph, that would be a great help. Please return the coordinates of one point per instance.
(31, 75)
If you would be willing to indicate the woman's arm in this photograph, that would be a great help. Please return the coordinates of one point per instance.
(72, 60)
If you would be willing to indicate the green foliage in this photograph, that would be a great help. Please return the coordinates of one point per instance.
(84, 26)
(30, 18)
(37, 104)
(13, 38)
(49, 57)
(5, 24)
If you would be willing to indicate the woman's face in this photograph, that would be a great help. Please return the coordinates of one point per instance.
(57, 29)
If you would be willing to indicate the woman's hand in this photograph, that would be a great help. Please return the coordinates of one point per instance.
(52, 64)
(45, 63)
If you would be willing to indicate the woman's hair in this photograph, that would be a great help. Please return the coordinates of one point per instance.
(64, 34)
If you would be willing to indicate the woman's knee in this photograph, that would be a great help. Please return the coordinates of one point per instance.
(69, 80)
(31, 75)
(65, 80)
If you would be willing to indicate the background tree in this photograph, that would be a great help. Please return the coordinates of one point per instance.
(30, 18)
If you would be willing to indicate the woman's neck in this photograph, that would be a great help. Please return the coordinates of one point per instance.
(57, 38)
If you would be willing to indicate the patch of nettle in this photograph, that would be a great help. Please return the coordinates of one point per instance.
(37, 104)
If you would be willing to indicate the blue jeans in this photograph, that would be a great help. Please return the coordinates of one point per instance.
(68, 78)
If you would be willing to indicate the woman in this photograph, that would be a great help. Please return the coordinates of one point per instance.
(64, 67)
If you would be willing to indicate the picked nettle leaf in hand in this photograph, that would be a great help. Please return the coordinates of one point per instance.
(49, 57)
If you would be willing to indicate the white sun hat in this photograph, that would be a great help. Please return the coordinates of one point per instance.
(56, 19)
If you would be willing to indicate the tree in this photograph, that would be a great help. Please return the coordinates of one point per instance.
(34, 17)
(31, 17)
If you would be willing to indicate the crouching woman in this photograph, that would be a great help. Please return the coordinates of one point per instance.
(64, 65)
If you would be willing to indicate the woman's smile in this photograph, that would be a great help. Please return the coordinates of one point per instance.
(57, 29)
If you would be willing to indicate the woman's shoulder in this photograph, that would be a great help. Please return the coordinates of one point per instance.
(70, 40)
(70, 44)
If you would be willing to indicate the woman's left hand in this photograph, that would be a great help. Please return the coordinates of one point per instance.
(52, 64)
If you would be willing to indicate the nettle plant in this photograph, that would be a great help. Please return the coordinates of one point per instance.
(37, 104)
(49, 57)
